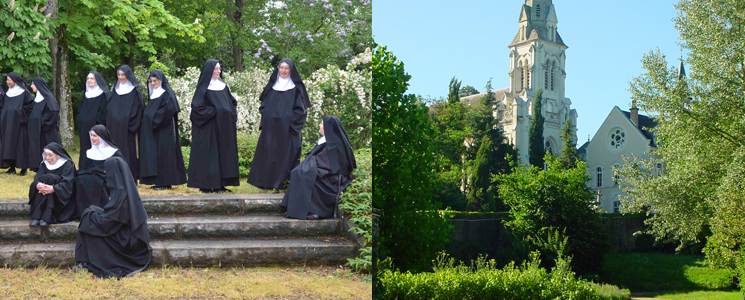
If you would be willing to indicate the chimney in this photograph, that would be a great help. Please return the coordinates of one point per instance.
(635, 115)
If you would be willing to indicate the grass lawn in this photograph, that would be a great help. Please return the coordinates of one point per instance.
(188, 283)
(669, 276)
(14, 186)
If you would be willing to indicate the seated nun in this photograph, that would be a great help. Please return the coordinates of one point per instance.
(50, 195)
(113, 240)
(89, 184)
(315, 184)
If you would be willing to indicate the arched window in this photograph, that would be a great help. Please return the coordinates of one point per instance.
(538, 11)
(522, 76)
(616, 177)
(549, 149)
(616, 206)
(599, 170)
(527, 73)
(545, 77)
(553, 66)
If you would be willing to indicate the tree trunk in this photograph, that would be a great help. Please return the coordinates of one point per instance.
(61, 79)
(235, 15)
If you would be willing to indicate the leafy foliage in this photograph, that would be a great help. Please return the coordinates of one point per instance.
(699, 135)
(548, 206)
(467, 91)
(483, 280)
(411, 232)
(357, 202)
(569, 154)
(536, 149)
(24, 31)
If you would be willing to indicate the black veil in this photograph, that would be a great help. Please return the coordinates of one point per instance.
(204, 82)
(42, 87)
(165, 85)
(57, 149)
(17, 79)
(101, 83)
(341, 155)
(125, 205)
(104, 133)
(294, 75)
(131, 77)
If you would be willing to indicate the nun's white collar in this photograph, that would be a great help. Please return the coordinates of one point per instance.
(157, 92)
(216, 85)
(15, 91)
(100, 152)
(124, 88)
(283, 84)
(60, 161)
(322, 140)
(93, 92)
(39, 97)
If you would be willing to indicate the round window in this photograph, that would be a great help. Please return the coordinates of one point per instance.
(617, 138)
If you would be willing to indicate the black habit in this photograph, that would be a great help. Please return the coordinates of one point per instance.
(57, 207)
(124, 119)
(14, 114)
(89, 184)
(213, 163)
(92, 111)
(161, 160)
(316, 183)
(113, 241)
(43, 126)
(283, 114)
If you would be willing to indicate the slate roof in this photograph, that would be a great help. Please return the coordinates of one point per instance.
(645, 123)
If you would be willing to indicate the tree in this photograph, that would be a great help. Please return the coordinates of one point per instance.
(536, 148)
(489, 155)
(313, 33)
(454, 91)
(699, 135)
(100, 34)
(467, 91)
(548, 206)
(569, 153)
(23, 34)
(411, 231)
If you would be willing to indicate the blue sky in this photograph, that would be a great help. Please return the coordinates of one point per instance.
(468, 39)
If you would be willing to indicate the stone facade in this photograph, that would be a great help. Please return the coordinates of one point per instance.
(622, 134)
(537, 60)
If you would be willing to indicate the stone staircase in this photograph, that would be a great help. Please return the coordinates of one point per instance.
(191, 230)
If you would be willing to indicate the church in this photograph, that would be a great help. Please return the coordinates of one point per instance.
(537, 60)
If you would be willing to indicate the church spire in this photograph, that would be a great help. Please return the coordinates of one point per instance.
(681, 70)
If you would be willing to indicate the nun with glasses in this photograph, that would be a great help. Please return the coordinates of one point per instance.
(213, 163)
(124, 117)
(43, 126)
(92, 111)
(316, 183)
(89, 184)
(161, 161)
(15, 109)
(113, 240)
(284, 107)
(50, 195)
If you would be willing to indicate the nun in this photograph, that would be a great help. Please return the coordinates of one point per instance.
(161, 161)
(124, 117)
(89, 184)
(284, 106)
(43, 126)
(15, 109)
(92, 111)
(316, 183)
(213, 163)
(113, 241)
(50, 195)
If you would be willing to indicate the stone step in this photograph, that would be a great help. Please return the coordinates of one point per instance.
(172, 228)
(200, 253)
(212, 204)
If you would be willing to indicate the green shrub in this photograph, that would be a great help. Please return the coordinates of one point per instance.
(186, 152)
(357, 202)
(482, 280)
(549, 206)
(246, 150)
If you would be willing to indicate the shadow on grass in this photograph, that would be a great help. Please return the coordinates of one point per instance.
(655, 273)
